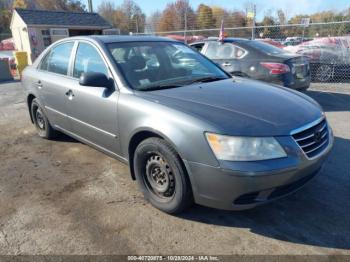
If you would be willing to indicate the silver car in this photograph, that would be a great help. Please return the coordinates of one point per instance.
(188, 130)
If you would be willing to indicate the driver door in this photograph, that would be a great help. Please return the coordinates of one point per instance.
(93, 110)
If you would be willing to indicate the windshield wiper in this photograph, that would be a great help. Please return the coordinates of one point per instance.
(167, 86)
(158, 87)
(207, 79)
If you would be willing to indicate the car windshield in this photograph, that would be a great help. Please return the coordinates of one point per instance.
(264, 47)
(159, 65)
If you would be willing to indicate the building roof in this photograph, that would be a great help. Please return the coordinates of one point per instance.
(62, 18)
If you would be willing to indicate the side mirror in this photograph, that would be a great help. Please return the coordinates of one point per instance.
(95, 79)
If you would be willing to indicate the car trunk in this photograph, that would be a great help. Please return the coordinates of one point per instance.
(299, 67)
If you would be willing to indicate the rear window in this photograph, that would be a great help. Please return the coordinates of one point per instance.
(264, 47)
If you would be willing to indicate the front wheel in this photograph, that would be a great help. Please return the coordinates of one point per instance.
(161, 176)
(41, 122)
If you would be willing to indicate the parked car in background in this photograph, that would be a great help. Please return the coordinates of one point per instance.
(189, 131)
(271, 42)
(258, 60)
(8, 55)
(293, 41)
(329, 57)
(188, 39)
(7, 45)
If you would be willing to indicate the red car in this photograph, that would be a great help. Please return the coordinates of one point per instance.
(271, 42)
(7, 45)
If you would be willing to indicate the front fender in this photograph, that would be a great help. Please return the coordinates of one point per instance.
(184, 132)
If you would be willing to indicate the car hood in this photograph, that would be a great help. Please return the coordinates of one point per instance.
(241, 107)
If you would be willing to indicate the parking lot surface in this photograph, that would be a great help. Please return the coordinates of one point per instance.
(63, 197)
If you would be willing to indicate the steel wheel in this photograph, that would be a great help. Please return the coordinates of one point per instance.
(159, 177)
(39, 119)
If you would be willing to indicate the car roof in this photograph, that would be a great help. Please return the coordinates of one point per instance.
(226, 40)
(106, 39)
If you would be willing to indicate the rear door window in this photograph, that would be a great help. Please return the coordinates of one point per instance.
(57, 60)
(217, 50)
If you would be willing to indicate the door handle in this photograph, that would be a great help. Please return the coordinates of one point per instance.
(39, 84)
(70, 94)
(226, 64)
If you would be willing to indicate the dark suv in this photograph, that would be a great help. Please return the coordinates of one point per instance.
(258, 60)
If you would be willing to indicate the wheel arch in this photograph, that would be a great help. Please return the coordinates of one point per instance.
(140, 135)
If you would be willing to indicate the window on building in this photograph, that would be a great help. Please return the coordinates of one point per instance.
(46, 37)
(59, 32)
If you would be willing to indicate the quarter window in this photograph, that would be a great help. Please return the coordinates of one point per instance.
(88, 60)
(57, 60)
(198, 46)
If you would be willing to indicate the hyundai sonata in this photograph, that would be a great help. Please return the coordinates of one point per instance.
(188, 130)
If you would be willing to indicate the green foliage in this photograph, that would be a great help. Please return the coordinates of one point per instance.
(205, 17)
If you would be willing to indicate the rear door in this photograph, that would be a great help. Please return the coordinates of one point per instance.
(93, 110)
(227, 55)
(53, 81)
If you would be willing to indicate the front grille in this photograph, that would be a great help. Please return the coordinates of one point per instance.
(314, 140)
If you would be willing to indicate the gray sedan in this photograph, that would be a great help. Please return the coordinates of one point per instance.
(188, 130)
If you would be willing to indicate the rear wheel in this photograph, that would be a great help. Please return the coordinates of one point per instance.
(161, 176)
(41, 122)
(304, 88)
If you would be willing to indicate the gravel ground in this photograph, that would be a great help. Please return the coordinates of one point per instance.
(63, 197)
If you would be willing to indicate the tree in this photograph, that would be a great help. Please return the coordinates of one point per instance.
(107, 10)
(135, 18)
(128, 17)
(282, 20)
(218, 14)
(20, 4)
(205, 17)
(177, 16)
(152, 22)
(269, 30)
(66, 5)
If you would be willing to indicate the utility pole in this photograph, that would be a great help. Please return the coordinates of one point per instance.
(185, 24)
(254, 21)
(90, 6)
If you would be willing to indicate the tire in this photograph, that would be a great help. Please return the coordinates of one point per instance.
(161, 176)
(41, 122)
(304, 88)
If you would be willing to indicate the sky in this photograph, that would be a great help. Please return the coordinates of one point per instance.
(290, 7)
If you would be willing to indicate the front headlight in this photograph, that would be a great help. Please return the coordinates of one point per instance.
(238, 148)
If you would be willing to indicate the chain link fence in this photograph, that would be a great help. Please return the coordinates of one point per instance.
(327, 45)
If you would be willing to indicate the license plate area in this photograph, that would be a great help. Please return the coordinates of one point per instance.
(300, 70)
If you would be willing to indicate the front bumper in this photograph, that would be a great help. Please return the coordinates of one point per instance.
(243, 185)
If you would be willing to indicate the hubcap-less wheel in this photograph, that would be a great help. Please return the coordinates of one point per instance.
(40, 122)
(159, 177)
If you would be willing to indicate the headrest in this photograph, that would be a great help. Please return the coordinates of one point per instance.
(137, 63)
